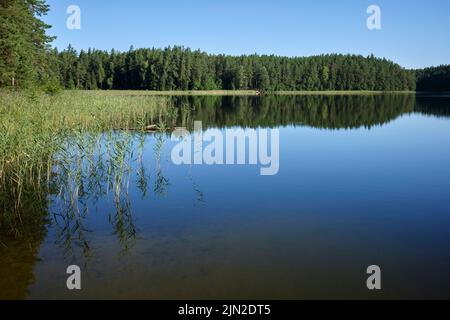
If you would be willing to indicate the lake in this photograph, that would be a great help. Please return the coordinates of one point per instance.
(363, 180)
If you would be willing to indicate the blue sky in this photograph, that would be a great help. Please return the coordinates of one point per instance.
(414, 33)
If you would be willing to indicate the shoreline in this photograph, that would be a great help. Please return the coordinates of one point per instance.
(239, 92)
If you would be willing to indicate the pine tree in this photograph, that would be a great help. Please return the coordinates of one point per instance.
(24, 50)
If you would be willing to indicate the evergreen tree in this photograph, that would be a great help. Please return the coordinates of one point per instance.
(434, 79)
(25, 56)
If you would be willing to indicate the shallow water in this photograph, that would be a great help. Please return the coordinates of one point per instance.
(362, 180)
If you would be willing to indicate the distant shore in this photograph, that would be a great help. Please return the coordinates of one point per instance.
(243, 92)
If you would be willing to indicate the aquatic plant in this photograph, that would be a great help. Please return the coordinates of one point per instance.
(40, 134)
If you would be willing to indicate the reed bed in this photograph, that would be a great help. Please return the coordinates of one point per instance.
(34, 128)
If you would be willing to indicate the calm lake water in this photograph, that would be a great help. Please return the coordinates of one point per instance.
(362, 180)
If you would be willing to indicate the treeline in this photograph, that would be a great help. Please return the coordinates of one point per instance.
(434, 79)
(179, 68)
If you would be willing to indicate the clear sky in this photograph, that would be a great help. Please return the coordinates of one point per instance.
(413, 33)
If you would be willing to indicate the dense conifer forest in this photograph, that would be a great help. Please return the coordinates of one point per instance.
(179, 68)
(434, 79)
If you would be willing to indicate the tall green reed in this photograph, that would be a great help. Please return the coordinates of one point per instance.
(38, 129)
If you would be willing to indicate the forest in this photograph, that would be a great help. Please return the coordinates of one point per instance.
(179, 68)
(434, 79)
(27, 59)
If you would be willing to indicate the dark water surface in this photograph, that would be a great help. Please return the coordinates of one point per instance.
(362, 180)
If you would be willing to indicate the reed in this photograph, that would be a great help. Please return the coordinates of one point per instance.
(34, 127)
